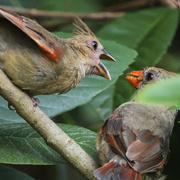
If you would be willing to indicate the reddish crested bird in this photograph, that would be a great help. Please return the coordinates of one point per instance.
(133, 144)
(39, 62)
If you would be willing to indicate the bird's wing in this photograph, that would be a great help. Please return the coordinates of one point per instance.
(41, 36)
(143, 151)
(112, 131)
(146, 152)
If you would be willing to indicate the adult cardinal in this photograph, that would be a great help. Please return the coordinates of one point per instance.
(133, 144)
(39, 62)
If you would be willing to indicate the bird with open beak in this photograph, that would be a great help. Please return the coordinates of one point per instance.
(39, 62)
(133, 143)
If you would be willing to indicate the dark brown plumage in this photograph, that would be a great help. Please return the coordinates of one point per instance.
(39, 62)
(133, 144)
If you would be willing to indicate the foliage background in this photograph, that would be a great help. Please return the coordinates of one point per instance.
(146, 35)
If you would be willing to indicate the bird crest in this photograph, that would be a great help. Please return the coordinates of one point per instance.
(81, 28)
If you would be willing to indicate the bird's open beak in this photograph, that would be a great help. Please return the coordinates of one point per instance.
(106, 56)
(102, 71)
(100, 68)
(135, 78)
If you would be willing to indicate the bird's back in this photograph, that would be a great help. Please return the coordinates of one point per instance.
(141, 116)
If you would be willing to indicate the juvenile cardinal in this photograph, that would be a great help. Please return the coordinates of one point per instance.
(133, 144)
(39, 62)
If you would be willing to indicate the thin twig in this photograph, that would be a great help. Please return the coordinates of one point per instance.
(51, 133)
(58, 14)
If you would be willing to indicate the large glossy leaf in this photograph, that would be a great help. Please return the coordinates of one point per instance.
(21, 144)
(7, 173)
(135, 27)
(149, 32)
(103, 103)
(164, 92)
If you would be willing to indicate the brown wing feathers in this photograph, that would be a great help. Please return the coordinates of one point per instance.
(143, 151)
(36, 33)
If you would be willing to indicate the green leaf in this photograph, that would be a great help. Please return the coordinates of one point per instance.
(163, 92)
(103, 103)
(21, 144)
(7, 173)
(147, 31)
(135, 27)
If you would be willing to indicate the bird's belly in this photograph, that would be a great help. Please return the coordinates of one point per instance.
(40, 79)
(60, 86)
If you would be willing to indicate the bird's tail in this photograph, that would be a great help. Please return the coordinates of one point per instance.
(114, 171)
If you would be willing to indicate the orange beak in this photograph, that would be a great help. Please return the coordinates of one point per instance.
(135, 78)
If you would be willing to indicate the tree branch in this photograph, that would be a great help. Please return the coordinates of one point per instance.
(51, 133)
(60, 14)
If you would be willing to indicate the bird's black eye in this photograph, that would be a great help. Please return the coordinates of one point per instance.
(94, 44)
(149, 76)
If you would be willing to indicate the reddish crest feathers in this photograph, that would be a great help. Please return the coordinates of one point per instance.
(35, 32)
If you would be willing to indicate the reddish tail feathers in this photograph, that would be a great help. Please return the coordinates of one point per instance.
(113, 171)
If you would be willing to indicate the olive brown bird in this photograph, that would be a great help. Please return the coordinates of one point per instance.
(133, 143)
(39, 62)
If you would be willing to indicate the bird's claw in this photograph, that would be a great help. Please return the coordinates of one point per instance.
(10, 107)
(35, 101)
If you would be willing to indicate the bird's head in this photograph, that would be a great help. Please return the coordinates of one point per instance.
(149, 75)
(91, 49)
